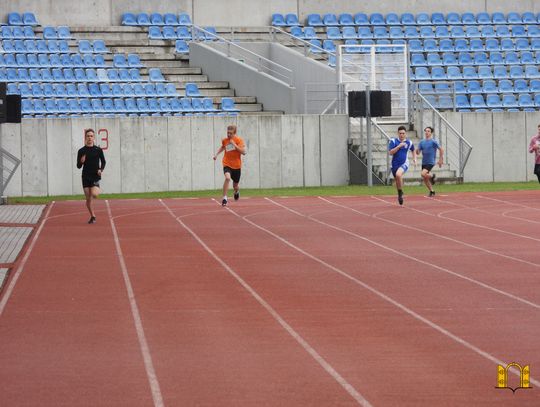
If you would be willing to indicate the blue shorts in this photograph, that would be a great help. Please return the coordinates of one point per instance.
(405, 167)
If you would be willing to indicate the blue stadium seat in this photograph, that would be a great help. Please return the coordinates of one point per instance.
(521, 86)
(433, 58)
(27, 106)
(518, 31)
(453, 19)
(483, 18)
(9, 60)
(154, 33)
(438, 73)
(533, 31)
(425, 87)
(349, 33)
(100, 47)
(438, 19)
(330, 20)
(314, 20)
(170, 19)
(535, 44)
(423, 19)
(310, 34)
(298, 32)
(502, 31)
(492, 44)
(506, 86)
(17, 32)
(408, 19)
(85, 46)
(461, 45)
(445, 102)
(364, 32)
(5, 32)
(529, 18)
(23, 90)
(20, 60)
(468, 18)
(531, 71)
(418, 59)
(488, 31)
(155, 75)
(346, 19)
(76, 60)
(184, 19)
(49, 33)
(291, 19)
(119, 61)
(333, 33)
(490, 86)
(507, 44)
(143, 19)
(380, 32)
(14, 19)
(493, 101)
(228, 105)
(462, 102)
(516, 71)
(453, 73)
(469, 72)
(376, 19)
(421, 73)
(129, 19)
(527, 57)
(480, 58)
(409, 32)
(192, 90)
(509, 101)
(392, 19)
(514, 18)
(82, 90)
(512, 58)
(156, 19)
(525, 100)
(181, 47)
(498, 18)
(169, 33)
(427, 32)
(465, 58)
(415, 46)
(449, 58)
(444, 87)
(522, 44)
(94, 90)
(472, 31)
(496, 58)
(474, 86)
(455, 32)
(29, 19)
(58, 90)
(478, 102)
(500, 72)
(278, 20)
(395, 32)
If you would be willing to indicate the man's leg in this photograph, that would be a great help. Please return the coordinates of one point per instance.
(399, 184)
(88, 193)
(236, 187)
(226, 184)
(426, 175)
(537, 171)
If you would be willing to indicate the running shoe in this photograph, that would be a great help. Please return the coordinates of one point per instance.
(400, 197)
(236, 195)
(433, 179)
(224, 202)
(92, 220)
(431, 193)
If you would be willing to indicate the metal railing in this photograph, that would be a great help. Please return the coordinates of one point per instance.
(8, 165)
(233, 50)
(456, 149)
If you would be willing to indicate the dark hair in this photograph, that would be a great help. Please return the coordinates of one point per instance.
(88, 131)
(431, 128)
(402, 128)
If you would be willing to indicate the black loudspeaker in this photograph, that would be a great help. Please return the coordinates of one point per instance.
(13, 108)
(379, 103)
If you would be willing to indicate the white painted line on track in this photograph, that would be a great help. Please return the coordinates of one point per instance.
(290, 330)
(20, 268)
(397, 304)
(143, 344)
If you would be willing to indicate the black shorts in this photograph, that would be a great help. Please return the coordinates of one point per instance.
(235, 173)
(428, 167)
(90, 182)
(537, 169)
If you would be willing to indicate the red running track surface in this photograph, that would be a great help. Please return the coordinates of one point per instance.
(285, 301)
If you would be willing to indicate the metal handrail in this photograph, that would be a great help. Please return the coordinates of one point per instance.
(465, 147)
(388, 138)
(257, 59)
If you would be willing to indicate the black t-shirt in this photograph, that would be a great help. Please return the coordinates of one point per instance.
(95, 160)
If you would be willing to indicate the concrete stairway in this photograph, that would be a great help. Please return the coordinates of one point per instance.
(160, 54)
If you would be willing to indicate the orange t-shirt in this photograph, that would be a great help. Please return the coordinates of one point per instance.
(232, 157)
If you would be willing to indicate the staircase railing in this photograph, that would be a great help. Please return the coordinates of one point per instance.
(456, 149)
(8, 165)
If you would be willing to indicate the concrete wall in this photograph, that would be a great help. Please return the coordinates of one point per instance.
(175, 153)
(239, 12)
(500, 145)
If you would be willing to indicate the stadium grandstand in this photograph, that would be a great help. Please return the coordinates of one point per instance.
(188, 60)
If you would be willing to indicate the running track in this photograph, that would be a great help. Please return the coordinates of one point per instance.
(276, 302)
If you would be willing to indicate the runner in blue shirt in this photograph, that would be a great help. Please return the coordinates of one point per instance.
(428, 148)
(399, 148)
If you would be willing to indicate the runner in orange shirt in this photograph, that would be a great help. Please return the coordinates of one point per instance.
(234, 148)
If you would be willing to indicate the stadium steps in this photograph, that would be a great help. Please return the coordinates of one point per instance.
(160, 54)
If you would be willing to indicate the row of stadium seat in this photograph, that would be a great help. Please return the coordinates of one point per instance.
(183, 33)
(155, 19)
(27, 18)
(422, 73)
(96, 90)
(346, 19)
(484, 86)
(78, 74)
(409, 32)
(27, 32)
(492, 101)
(31, 60)
(476, 58)
(475, 44)
(121, 105)
(47, 46)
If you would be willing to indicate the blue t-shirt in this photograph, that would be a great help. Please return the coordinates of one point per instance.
(429, 150)
(401, 156)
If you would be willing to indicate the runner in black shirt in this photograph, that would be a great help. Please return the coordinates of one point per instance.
(91, 158)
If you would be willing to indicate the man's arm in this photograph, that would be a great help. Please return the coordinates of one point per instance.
(102, 160)
(441, 152)
(533, 145)
(395, 149)
(240, 148)
(80, 159)
(221, 149)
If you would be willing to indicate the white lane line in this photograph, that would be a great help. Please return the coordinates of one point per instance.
(508, 202)
(290, 330)
(11, 286)
(376, 216)
(397, 304)
(143, 344)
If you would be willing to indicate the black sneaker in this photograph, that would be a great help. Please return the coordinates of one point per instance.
(224, 202)
(236, 195)
(431, 193)
(400, 197)
(92, 220)
(433, 179)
